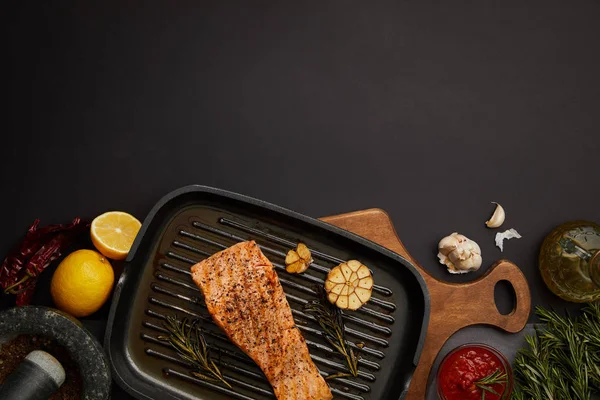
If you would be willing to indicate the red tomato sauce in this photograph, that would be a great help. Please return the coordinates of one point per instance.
(467, 365)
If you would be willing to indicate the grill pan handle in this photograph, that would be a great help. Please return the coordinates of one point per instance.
(453, 305)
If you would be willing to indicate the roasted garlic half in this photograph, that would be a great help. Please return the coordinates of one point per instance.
(297, 261)
(349, 285)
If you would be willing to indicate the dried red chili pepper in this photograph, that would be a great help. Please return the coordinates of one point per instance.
(51, 229)
(13, 263)
(46, 255)
(40, 260)
(24, 297)
(46, 244)
(34, 239)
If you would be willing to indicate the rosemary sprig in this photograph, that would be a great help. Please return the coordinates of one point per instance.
(495, 378)
(329, 318)
(562, 359)
(187, 339)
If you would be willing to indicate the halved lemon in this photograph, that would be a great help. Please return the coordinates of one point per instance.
(113, 233)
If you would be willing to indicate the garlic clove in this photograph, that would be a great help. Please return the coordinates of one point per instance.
(332, 297)
(497, 218)
(475, 247)
(354, 302)
(342, 302)
(337, 289)
(366, 282)
(291, 257)
(448, 244)
(329, 285)
(304, 252)
(363, 294)
(354, 265)
(363, 271)
(296, 267)
(346, 271)
(336, 276)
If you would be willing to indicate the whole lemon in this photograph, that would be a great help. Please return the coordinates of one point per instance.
(82, 283)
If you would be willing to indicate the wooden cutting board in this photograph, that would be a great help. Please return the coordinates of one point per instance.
(453, 305)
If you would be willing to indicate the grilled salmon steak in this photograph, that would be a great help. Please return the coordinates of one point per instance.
(246, 300)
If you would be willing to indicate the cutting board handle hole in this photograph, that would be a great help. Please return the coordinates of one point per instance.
(505, 297)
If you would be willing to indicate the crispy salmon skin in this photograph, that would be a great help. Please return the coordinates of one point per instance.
(246, 300)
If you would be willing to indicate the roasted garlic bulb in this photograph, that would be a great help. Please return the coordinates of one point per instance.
(297, 261)
(349, 285)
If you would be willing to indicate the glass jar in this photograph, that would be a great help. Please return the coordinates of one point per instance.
(570, 261)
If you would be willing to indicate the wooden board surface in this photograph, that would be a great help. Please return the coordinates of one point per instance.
(453, 306)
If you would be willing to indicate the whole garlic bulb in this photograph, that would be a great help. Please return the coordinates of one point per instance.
(459, 253)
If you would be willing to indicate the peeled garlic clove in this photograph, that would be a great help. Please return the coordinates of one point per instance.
(459, 253)
(497, 218)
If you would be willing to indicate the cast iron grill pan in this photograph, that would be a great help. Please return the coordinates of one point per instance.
(195, 222)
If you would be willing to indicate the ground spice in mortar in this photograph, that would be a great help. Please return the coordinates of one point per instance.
(13, 352)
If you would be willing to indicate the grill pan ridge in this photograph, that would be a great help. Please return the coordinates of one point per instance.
(194, 222)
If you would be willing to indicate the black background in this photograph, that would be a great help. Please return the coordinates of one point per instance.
(429, 110)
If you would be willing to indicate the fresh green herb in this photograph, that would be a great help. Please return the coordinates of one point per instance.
(495, 378)
(329, 318)
(187, 339)
(562, 359)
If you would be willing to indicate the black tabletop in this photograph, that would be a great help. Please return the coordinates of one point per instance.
(429, 111)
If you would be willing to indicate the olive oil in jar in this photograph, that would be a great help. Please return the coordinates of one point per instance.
(570, 261)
